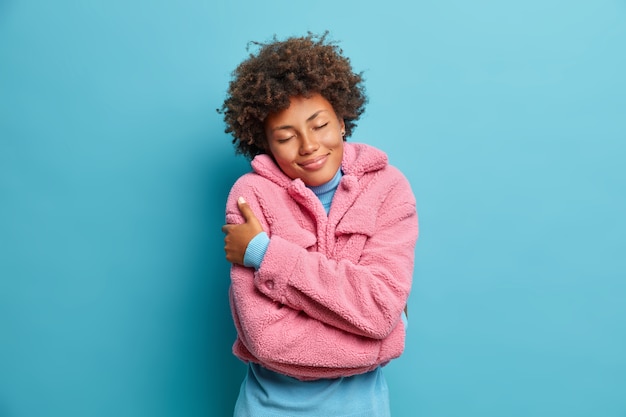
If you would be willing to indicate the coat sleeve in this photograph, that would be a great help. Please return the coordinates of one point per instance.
(289, 340)
(364, 295)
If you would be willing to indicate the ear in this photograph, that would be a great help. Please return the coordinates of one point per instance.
(342, 126)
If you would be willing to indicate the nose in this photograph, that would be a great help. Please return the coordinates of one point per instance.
(308, 144)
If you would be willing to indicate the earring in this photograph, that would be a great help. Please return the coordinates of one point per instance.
(343, 133)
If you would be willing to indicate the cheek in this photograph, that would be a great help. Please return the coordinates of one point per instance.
(283, 164)
(333, 140)
(283, 159)
(286, 166)
(337, 144)
(282, 154)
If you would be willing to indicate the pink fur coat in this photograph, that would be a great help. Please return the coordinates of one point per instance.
(328, 297)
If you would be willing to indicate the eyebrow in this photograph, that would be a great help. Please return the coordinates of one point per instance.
(311, 117)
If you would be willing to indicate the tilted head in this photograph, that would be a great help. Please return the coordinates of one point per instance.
(267, 80)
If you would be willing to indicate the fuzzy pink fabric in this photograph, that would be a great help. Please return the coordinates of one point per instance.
(327, 299)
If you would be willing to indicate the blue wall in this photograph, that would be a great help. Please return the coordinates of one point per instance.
(508, 119)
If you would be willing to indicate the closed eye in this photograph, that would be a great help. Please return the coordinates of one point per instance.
(321, 126)
(284, 140)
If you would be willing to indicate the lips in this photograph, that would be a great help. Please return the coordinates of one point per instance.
(314, 163)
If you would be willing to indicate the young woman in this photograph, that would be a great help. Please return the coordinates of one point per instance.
(321, 238)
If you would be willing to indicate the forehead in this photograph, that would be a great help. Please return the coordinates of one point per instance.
(301, 109)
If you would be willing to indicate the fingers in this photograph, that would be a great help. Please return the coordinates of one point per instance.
(245, 209)
(246, 212)
(239, 235)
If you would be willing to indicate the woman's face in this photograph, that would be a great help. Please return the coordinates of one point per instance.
(306, 139)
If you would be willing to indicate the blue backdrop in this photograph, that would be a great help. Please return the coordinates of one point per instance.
(509, 119)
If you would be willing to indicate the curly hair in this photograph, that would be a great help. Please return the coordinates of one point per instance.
(299, 66)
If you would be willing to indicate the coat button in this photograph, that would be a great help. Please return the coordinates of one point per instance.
(269, 284)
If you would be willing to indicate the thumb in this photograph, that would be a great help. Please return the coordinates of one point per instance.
(245, 209)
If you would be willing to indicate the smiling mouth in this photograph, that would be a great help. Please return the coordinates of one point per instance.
(313, 164)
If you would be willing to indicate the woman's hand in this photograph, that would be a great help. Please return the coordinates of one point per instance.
(239, 235)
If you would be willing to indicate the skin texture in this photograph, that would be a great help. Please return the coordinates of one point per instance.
(306, 141)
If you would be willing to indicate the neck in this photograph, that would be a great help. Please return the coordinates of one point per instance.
(325, 192)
